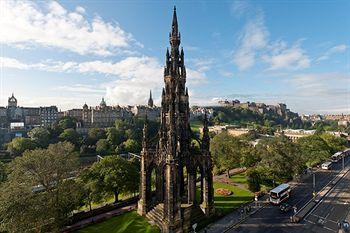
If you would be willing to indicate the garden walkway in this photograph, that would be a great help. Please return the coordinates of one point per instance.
(98, 218)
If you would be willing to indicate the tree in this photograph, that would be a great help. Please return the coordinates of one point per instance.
(249, 155)
(92, 187)
(314, 149)
(114, 136)
(40, 136)
(281, 159)
(96, 134)
(253, 179)
(122, 124)
(67, 123)
(335, 143)
(40, 193)
(70, 135)
(109, 176)
(132, 146)
(102, 146)
(226, 151)
(133, 176)
(18, 145)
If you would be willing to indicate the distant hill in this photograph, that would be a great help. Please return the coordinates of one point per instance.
(270, 117)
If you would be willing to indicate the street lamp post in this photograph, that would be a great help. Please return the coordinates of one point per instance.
(314, 181)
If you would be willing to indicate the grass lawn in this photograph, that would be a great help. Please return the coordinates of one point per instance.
(129, 222)
(195, 125)
(240, 178)
(225, 204)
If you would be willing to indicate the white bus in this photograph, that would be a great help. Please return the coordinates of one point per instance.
(280, 194)
(326, 165)
(337, 156)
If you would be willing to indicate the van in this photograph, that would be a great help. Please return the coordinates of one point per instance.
(326, 165)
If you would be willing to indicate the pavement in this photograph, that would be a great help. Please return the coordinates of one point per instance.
(268, 218)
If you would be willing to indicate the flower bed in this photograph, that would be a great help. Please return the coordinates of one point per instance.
(223, 192)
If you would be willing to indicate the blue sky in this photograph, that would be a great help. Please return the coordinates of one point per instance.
(70, 52)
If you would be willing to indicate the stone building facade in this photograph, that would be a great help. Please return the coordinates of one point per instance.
(30, 116)
(103, 115)
(174, 161)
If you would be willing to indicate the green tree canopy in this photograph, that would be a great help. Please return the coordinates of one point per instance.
(70, 135)
(281, 159)
(102, 146)
(67, 123)
(18, 145)
(335, 143)
(132, 146)
(96, 134)
(40, 193)
(227, 151)
(115, 136)
(254, 180)
(40, 136)
(314, 149)
(112, 176)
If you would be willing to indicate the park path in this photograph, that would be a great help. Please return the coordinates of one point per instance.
(98, 218)
(226, 180)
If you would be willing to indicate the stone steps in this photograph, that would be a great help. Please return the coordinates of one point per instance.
(156, 215)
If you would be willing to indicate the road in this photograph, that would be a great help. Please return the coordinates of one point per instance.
(333, 208)
(270, 218)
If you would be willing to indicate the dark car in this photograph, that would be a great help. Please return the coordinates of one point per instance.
(285, 207)
(345, 226)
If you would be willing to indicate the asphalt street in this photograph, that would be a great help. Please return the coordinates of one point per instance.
(271, 219)
(332, 209)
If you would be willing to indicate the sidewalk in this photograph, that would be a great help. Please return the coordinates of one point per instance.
(234, 218)
(98, 218)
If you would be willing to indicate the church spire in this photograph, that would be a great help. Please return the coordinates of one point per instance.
(174, 24)
(174, 34)
(150, 100)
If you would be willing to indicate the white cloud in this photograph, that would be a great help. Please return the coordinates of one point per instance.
(81, 88)
(226, 74)
(135, 76)
(239, 8)
(252, 39)
(202, 64)
(253, 43)
(336, 49)
(48, 24)
(322, 85)
(282, 57)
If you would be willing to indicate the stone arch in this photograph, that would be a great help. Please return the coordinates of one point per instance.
(199, 183)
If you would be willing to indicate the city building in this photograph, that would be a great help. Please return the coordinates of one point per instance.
(199, 112)
(30, 116)
(48, 115)
(174, 208)
(103, 115)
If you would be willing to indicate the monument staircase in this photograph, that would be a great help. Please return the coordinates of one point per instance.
(191, 214)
